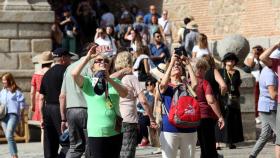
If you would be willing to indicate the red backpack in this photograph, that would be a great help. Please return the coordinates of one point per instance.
(184, 111)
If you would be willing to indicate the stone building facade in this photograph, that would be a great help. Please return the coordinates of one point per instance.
(25, 31)
(257, 20)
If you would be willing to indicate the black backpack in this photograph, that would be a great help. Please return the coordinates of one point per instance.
(186, 31)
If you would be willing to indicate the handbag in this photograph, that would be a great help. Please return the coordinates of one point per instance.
(3, 111)
(232, 102)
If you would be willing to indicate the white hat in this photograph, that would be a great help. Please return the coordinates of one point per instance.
(158, 72)
(192, 25)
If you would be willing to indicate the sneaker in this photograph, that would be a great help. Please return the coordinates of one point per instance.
(158, 151)
(258, 121)
(251, 156)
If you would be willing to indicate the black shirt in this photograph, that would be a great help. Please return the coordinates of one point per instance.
(210, 77)
(51, 84)
(233, 81)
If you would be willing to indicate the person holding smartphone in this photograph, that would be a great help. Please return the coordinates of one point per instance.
(173, 138)
(102, 95)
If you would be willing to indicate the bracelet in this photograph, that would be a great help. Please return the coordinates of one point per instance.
(63, 120)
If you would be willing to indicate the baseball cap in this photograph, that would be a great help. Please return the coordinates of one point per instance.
(59, 52)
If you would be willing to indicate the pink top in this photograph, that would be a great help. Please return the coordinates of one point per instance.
(276, 69)
(36, 83)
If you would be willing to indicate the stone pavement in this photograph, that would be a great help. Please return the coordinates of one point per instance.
(34, 150)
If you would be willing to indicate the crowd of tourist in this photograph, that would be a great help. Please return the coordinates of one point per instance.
(118, 95)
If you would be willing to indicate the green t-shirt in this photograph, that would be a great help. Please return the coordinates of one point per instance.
(101, 118)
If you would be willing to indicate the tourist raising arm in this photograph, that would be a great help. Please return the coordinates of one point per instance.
(177, 60)
(264, 57)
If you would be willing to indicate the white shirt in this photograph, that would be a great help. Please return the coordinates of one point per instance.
(200, 52)
(167, 28)
(107, 19)
(109, 43)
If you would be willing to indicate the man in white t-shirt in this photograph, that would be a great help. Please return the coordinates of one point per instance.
(166, 25)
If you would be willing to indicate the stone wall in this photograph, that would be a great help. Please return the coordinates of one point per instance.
(217, 18)
(25, 28)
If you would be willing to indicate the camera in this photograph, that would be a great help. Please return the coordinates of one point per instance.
(180, 51)
(100, 86)
(130, 50)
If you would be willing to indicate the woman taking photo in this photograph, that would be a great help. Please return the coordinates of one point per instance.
(173, 138)
(102, 95)
(11, 97)
(135, 39)
(233, 131)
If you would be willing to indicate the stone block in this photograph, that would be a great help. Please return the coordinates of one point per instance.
(24, 84)
(40, 45)
(8, 30)
(273, 40)
(34, 30)
(27, 16)
(25, 61)
(4, 45)
(8, 61)
(249, 125)
(27, 98)
(263, 41)
(20, 45)
(18, 73)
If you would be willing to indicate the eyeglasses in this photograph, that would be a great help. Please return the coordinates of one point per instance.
(101, 61)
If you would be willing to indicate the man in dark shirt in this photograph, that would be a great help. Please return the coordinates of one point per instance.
(49, 98)
(159, 51)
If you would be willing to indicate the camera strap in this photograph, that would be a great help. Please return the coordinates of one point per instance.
(109, 102)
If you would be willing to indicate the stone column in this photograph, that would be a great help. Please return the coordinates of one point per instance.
(16, 5)
(25, 30)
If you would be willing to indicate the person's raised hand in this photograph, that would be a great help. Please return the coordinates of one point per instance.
(129, 28)
(93, 52)
(185, 60)
(174, 58)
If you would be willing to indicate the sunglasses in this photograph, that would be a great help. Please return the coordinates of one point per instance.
(101, 61)
(149, 84)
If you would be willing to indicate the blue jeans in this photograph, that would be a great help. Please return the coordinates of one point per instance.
(9, 124)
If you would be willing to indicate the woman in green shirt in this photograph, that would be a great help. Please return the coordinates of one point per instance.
(102, 97)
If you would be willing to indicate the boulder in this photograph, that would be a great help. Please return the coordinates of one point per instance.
(236, 44)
